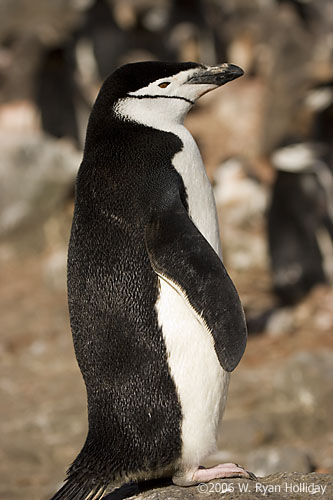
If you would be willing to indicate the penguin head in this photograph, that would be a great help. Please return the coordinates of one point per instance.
(161, 91)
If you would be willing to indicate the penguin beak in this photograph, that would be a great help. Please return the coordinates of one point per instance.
(216, 75)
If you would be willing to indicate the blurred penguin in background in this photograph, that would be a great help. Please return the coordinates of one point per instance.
(56, 93)
(300, 216)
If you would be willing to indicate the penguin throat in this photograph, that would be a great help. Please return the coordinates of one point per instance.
(154, 110)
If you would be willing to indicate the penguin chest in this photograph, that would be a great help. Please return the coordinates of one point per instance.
(200, 381)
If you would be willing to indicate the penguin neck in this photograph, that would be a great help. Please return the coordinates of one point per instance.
(162, 114)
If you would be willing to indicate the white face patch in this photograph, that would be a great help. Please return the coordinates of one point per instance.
(176, 87)
(167, 103)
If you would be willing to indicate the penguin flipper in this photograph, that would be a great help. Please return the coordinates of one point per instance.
(181, 256)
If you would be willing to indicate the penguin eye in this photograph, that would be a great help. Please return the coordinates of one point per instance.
(163, 84)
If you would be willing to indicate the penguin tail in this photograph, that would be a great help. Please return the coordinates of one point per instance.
(81, 485)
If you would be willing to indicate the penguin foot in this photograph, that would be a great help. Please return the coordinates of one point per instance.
(203, 475)
(221, 471)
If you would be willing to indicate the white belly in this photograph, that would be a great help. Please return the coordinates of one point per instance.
(200, 381)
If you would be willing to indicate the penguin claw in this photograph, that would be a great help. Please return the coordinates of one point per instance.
(252, 476)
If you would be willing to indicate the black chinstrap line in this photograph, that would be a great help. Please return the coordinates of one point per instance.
(160, 96)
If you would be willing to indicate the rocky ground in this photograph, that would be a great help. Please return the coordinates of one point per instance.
(285, 486)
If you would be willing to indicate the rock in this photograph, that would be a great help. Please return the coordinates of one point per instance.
(304, 383)
(245, 433)
(241, 198)
(289, 486)
(264, 461)
(55, 270)
(280, 322)
(36, 175)
(49, 22)
(278, 411)
(241, 202)
(243, 250)
(241, 136)
(316, 311)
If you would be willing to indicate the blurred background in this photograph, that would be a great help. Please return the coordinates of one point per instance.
(267, 142)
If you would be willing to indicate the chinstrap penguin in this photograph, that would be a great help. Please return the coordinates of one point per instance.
(157, 323)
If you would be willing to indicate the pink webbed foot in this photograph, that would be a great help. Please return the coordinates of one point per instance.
(204, 475)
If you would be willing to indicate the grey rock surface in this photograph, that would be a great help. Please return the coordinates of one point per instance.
(289, 486)
(267, 460)
(286, 408)
(281, 322)
(36, 174)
